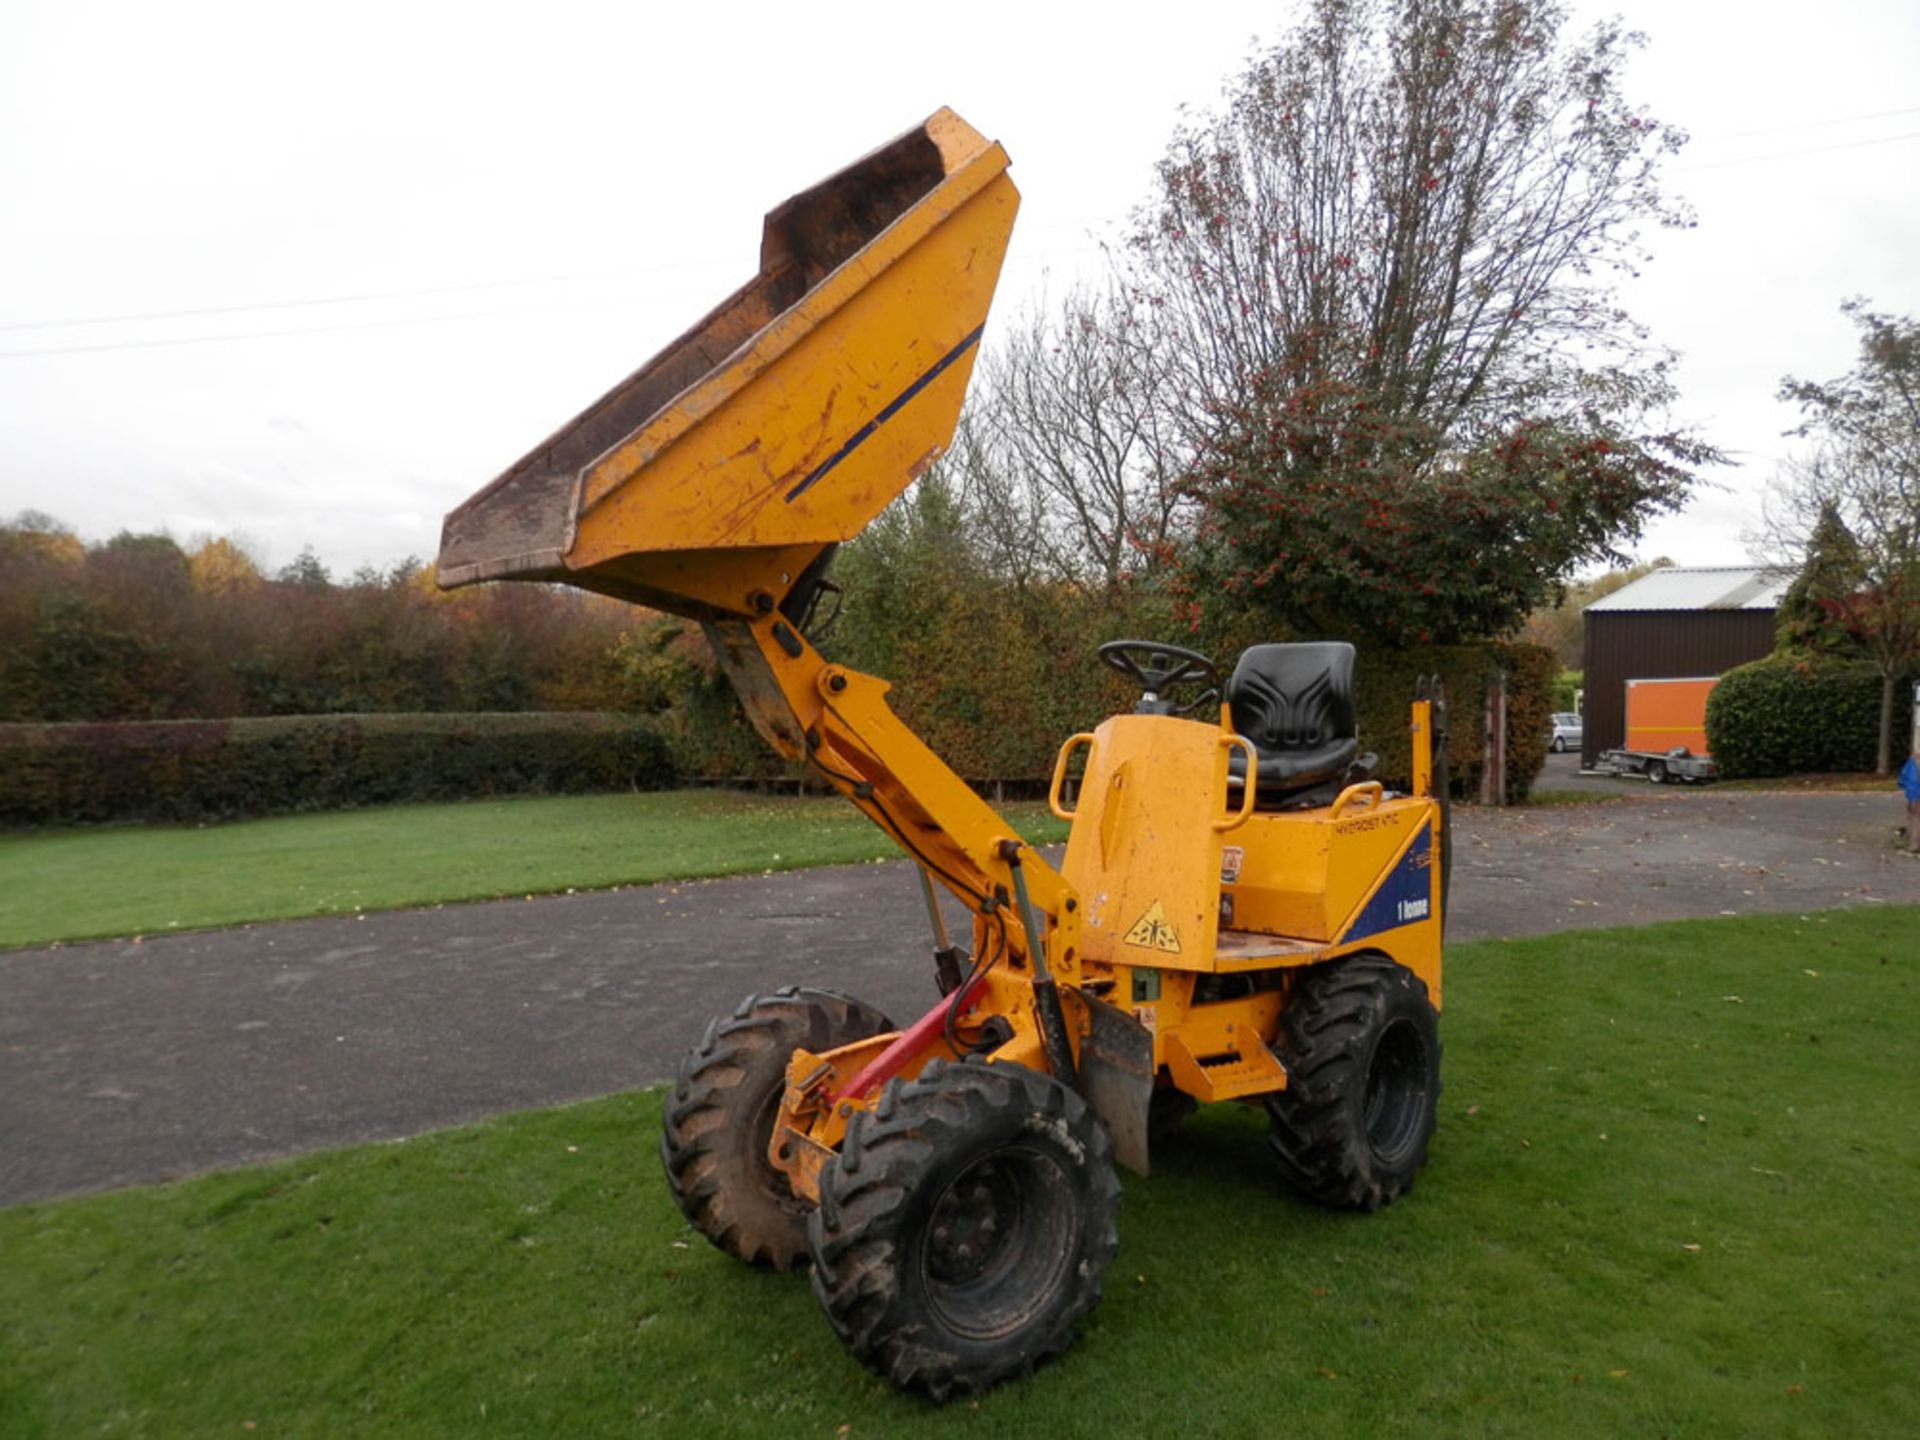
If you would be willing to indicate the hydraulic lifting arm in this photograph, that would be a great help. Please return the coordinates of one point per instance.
(715, 480)
(837, 721)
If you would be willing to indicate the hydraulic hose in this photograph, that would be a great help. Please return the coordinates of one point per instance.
(1046, 993)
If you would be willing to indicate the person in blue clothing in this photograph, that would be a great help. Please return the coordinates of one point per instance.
(1910, 787)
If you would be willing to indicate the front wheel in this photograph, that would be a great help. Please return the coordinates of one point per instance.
(1361, 1044)
(1559, 745)
(718, 1120)
(964, 1226)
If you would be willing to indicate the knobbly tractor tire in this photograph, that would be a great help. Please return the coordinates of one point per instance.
(964, 1226)
(1361, 1043)
(718, 1120)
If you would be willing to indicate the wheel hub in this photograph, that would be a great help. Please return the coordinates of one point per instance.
(970, 1224)
(998, 1243)
(1394, 1085)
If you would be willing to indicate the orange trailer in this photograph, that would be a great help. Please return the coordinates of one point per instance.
(1666, 732)
(1665, 714)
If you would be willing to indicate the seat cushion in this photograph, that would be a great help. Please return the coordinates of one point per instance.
(1295, 703)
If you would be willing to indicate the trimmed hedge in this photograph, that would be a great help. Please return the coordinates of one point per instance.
(968, 715)
(220, 769)
(1383, 685)
(1789, 715)
(223, 769)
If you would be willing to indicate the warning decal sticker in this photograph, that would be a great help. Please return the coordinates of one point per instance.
(1152, 932)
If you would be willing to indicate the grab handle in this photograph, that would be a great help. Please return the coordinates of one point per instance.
(1371, 790)
(1085, 737)
(1248, 785)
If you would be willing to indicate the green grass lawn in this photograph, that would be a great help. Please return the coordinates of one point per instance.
(1848, 782)
(1557, 798)
(1673, 1193)
(127, 880)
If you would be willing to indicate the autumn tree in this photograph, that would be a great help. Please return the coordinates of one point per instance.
(221, 566)
(1068, 455)
(1862, 480)
(1005, 515)
(137, 628)
(33, 536)
(305, 570)
(91, 632)
(1384, 277)
(39, 560)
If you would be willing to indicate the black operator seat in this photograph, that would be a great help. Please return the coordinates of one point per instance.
(1295, 703)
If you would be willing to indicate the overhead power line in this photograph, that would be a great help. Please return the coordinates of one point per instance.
(1811, 124)
(172, 341)
(168, 342)
(371, 296)
(254, 306)
(1791, 154)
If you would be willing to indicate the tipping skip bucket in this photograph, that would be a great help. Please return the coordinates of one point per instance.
(787, 419)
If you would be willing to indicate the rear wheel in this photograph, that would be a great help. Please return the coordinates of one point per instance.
(719, 1119)
(1657, 771)
(964, 1226)
(1361, 1044)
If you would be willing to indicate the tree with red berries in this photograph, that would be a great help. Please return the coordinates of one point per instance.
(1384, 275)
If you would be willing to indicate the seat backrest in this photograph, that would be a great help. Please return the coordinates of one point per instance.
(1293, 698)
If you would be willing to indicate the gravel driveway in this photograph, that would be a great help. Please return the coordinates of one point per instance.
(125, 1062)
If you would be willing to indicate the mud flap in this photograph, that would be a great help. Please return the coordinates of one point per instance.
(1116, 1078)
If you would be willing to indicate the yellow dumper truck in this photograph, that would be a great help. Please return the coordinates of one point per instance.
(1242, 913)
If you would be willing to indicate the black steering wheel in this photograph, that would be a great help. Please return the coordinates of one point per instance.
(1155, 668)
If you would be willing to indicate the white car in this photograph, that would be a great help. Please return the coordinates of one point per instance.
(1566, 731)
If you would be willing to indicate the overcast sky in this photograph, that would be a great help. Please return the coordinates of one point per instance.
(312, 275)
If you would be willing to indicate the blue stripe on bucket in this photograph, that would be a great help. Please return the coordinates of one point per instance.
(854, 441)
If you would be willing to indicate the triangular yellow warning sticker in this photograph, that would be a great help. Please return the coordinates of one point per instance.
(1152, 932)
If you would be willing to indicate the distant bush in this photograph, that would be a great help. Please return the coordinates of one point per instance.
(220, 769)
(1566, 690)
(1798, 714)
